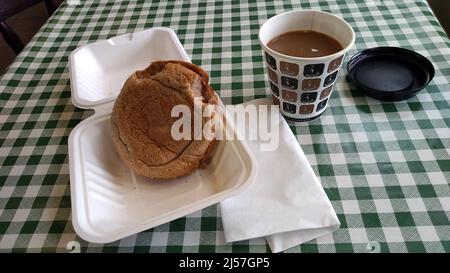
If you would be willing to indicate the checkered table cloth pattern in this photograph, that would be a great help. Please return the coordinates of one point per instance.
(384, 166)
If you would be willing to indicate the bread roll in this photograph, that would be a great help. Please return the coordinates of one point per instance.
(142, 122)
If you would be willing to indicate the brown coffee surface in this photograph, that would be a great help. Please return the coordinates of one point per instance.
(305, 43)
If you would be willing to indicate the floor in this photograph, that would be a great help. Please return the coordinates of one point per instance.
(28, 22)
(441, 10)
(25, 24)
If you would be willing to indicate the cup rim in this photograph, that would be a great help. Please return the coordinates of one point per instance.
(339, 53)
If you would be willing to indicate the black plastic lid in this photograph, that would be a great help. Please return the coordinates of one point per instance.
(390, 73)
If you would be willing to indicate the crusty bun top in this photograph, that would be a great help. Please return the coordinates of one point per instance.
(142, 122)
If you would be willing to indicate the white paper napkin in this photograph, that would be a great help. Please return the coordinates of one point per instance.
(286, 203)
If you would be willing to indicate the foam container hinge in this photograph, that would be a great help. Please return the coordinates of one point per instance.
(109, 201)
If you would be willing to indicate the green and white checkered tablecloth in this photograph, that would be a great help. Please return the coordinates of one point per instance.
(384, 166)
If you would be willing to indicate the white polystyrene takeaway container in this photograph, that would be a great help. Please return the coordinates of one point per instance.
(109, 201)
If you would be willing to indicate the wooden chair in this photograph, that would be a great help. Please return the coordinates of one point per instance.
(9, 8)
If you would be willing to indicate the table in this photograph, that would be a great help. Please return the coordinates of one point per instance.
(384, 166)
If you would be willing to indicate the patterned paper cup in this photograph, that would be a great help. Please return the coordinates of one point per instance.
(302, 86)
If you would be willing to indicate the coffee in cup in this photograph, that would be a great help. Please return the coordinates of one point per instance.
(305, 44)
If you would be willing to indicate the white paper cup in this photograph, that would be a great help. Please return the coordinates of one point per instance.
(302, 86)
